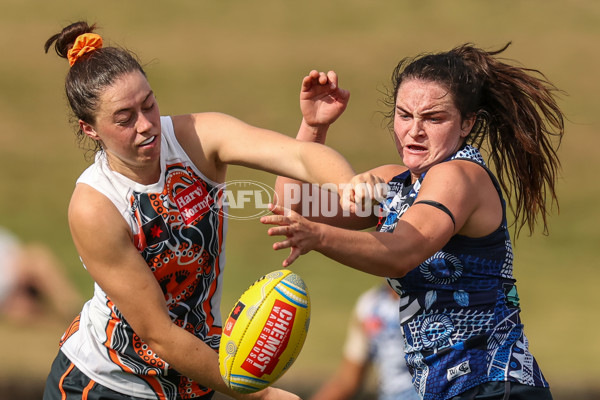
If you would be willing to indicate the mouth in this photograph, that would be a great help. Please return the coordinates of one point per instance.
(148, 141)
(416, 148)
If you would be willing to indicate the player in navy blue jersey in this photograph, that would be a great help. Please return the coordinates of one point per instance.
(442, 238)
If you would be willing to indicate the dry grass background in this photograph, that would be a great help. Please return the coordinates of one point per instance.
(247, 59)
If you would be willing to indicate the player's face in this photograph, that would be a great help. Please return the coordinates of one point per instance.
(428, 127)
(128, 126)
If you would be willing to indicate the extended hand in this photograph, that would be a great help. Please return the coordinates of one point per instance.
(322, 101)
(363, 191)
(301, 234)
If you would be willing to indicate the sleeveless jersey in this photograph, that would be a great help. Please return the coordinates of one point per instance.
(179, 230)
(460, 309)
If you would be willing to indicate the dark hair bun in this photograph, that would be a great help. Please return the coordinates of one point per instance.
(64, 40)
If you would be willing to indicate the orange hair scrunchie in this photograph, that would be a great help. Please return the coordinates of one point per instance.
(83, 45)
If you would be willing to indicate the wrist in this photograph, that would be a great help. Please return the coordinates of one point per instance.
(321, 235)
(312, 133)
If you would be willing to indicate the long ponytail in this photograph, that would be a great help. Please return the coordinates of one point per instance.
(518, 122)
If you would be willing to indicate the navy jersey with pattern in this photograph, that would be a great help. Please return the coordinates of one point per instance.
(459, 309)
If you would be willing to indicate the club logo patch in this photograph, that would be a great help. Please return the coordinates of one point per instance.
(155, 231)
(460, 370)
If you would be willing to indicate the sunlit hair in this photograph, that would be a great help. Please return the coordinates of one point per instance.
(518, 121)
(91, 74)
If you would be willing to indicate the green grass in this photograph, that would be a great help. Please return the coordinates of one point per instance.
(247, 59)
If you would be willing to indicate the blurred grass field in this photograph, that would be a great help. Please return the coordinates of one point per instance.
(247, 59)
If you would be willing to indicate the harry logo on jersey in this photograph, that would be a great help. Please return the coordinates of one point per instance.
(193, 202)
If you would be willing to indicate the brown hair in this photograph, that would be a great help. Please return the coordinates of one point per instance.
(517, 119)
(91, 73)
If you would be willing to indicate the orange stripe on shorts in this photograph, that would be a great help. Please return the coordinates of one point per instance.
(89, 386)
(62, 379)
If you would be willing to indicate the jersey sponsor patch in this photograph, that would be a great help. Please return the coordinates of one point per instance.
(193, 202)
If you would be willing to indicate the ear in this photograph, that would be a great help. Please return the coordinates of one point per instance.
(467, 125)
(88, 130)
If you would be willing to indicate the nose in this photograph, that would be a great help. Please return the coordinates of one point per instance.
(416, 128)
(143, 124)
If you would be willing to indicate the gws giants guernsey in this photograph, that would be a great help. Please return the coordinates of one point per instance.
(179, 231)
(459, 309)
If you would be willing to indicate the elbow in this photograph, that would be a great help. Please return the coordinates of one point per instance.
(397, 270)
(157, 336)
(401, 266)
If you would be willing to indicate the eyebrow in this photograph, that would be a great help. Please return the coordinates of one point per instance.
(425, 113)
(126, 109)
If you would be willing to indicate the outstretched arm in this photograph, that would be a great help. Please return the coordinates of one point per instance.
(214, 140)
(462, 187)
(376, 253)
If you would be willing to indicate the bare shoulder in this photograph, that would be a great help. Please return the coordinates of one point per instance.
(458, 172)
(85, 200)
(459, 185)
(466, 189)
(91, 210)
(202, 136)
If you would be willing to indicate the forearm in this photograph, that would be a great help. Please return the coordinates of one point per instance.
(323, 166)
(193, 358)
(376, 253)
(284, 185)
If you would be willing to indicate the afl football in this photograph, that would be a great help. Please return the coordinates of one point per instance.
(264, 332)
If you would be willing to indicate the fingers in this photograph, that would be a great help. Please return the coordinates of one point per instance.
(381, 190)
(363, 190)
(279, 217)
(308, 80)
(368, 188)
(333, 79)
(284, 219)
(294, 254)
(315, 77)
(284, 244)
(282, 230)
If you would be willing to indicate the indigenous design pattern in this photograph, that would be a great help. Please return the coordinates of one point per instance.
(459, 309)
(180, 236)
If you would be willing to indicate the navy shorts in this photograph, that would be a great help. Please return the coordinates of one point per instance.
(67, 382)
(505, 391)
